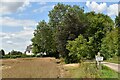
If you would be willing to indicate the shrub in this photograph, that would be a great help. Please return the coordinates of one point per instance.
(78, 49)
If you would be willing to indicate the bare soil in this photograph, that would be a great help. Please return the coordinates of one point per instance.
(31, 68)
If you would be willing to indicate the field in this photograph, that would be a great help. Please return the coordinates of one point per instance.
(51, 68)
(30, 68)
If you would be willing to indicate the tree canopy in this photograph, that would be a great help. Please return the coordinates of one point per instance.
(74, 34)
(13, 52)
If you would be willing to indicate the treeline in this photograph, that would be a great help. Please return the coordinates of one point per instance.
(74, 35)
(14, 54)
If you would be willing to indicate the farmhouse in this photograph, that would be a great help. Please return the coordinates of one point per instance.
(28, 50)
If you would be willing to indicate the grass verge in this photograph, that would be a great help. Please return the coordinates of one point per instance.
(89, 70)
(114, 60)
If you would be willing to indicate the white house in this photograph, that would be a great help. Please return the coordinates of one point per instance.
(28, 50)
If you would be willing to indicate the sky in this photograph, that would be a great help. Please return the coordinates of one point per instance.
(18, 20)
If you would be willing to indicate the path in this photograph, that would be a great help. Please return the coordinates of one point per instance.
(113, 66)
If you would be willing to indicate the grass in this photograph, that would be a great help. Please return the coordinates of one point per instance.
(108, 73)
(89, 70)
(114, 60)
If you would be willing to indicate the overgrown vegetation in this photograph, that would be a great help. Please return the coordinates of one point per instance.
(89, 70)
(74, 35)
(114, 59)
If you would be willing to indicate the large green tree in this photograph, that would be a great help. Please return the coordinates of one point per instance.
(68, 22)
(109, 47)
(43, 40)
(99, 25)
(65, 24)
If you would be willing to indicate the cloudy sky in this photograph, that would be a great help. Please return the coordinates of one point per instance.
(19, 19)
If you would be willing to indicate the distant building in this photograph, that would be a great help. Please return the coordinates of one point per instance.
(28, 50)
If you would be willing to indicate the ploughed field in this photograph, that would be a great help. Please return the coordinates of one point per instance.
(30, 68)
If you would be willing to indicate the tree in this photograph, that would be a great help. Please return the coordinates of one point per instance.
(65, 24)
(68, 22)
(109, 47)
(117, 20)
(2, 52)
(99, 25)
(43, 40)
(15, 53)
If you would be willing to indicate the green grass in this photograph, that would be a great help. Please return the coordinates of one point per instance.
(114, 60)
(89, 70)
(108, 73)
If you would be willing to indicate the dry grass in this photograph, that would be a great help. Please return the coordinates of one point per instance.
(30, 68)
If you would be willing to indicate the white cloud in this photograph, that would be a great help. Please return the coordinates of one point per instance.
(43, 8)
(25, 34)
(26, 4)
(42, 3)
(96, 7)
(17, 40)
(111, 10)
(7, 7)
(11, 22)
(9, 42)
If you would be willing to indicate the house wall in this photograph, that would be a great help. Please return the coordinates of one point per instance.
(27, 53)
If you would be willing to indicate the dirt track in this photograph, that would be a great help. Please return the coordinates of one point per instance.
(30, 68)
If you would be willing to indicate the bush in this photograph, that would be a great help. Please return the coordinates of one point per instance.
(30, 55)
(78, 49)
(6, 56)
(17, 56)
(15, 53)
(23, 55)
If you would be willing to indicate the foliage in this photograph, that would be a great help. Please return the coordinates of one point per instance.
(109, 47)
(89, 70)
(68, 22)
(17, 56)
(15, 53)
(99, 25)
(78, 49)
(117, 20)
(114, 59)
(2, 52)
(43, 40)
